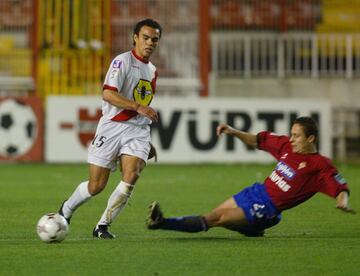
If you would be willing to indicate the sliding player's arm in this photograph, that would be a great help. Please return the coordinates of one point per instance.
(247, 138)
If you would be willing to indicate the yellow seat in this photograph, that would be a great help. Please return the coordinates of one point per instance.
(340, 16)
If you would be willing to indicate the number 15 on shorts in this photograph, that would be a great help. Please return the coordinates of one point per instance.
(98, 141)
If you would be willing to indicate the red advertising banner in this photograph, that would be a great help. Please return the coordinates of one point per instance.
(21, 129)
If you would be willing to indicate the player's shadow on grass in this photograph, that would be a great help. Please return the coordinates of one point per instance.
(268, 237)
(209, 239)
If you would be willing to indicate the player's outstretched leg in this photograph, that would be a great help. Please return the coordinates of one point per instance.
(190, 224)
(79, 197)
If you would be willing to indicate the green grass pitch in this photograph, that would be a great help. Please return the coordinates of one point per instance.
(312, 239)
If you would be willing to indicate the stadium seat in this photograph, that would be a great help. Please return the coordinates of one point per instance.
(265, 14)
(340, 16)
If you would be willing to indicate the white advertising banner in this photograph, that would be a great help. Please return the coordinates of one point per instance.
(70, 126)
(186, 131)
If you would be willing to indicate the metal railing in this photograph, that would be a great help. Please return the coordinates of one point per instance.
(282, 55)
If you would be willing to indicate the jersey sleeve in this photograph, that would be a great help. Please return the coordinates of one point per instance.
(116, 74)
(272, 143)
(332, 182)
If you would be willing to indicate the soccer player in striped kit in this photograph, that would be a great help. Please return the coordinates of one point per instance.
(123, 133)
(300, 173)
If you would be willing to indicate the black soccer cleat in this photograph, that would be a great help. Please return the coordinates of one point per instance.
(155, 217)
(61, 213)
(101, 232)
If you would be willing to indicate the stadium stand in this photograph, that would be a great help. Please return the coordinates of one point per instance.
(177, 58)
(16, 21)
(16, 14)
(265, 15)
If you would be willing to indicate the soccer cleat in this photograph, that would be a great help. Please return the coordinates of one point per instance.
(101, 232)
(155, 217)
(61, 213)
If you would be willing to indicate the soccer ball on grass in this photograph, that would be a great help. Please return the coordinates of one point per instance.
(52, 227)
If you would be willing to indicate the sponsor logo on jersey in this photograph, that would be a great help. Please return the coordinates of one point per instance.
(285, 170)
(117, 63)
(280, 181)
(339, 179)
(143, 92)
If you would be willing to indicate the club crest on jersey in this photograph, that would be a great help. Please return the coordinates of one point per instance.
(117, 63)
(302, 165)
(284, 156)
(143, 92)
(285, 170)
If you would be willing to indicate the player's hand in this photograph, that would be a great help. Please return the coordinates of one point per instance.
(148, 112)
(223, 128)
(152, 152)
(346, 209)
(342, 202)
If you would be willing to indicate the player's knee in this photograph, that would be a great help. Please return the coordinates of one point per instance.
(96, 187)
(213, 219)
(130, 176)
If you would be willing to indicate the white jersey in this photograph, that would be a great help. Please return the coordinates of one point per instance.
(133, 78)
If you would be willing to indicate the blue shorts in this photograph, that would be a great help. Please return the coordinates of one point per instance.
(257, 205)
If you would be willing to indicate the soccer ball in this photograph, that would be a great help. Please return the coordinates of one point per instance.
(17, 128)
(52, 227)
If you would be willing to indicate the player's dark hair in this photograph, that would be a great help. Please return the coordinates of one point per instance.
(309, 125)
(146, 22)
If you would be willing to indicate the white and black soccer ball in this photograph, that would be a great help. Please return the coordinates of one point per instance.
(52, 227)
(18, 129)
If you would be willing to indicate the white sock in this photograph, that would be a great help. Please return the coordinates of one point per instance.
(79, 196)
(116, 203)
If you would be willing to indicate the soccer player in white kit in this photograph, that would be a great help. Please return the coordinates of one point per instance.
(123, 131)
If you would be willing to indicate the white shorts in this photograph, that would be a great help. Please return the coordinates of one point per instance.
(113, 139)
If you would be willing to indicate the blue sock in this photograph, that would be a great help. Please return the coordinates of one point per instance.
(190, 224)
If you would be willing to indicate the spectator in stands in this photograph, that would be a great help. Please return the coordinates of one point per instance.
(300, 173)
(123, 132)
